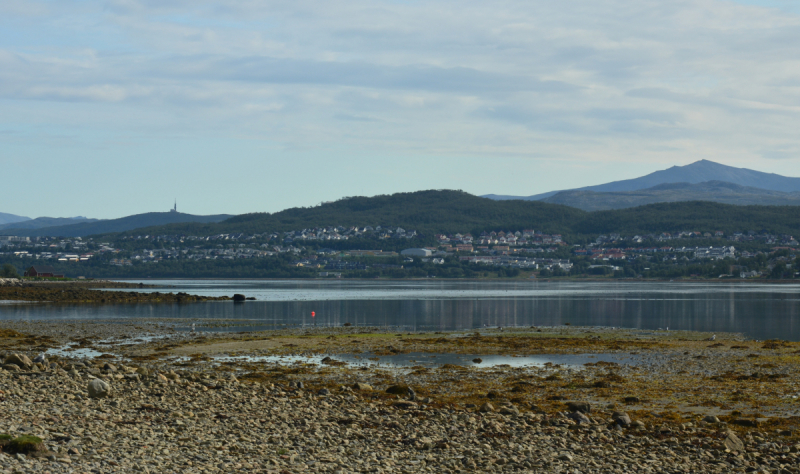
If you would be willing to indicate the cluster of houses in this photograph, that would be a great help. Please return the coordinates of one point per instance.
(519, 262)
(607, 253)
(750, 236)
(467, 243)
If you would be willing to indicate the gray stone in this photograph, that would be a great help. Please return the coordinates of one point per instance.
(486, 408)
(711, 419)
(579, 417)
(99, 389)
(20, 360)
(733, 442)
(621, 418)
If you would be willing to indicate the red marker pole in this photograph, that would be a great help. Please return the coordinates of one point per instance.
(313, 315)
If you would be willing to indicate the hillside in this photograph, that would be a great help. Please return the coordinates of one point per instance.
(6, 218)
(697, 172)
(42, 222)
(424, 211)
(114, 225)
(431, 212)
(714, 191)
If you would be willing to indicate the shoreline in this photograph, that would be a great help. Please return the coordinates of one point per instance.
(687, 403)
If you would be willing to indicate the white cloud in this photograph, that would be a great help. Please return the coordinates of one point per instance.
(622, 81)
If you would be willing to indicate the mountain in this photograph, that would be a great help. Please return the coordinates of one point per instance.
(123, 224)
(715, 191)
(9, 218)
(697, 172)
(431, 212)
(41, 222)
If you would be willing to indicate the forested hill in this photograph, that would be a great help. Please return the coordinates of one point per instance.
(424, 211)
(430, 212)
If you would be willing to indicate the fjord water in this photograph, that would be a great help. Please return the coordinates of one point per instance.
(760, 311)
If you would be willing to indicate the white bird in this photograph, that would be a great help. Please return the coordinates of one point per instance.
(713, 338)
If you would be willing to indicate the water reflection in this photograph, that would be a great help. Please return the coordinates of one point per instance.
(759, 311)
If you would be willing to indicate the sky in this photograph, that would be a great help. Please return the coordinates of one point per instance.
(112, 108)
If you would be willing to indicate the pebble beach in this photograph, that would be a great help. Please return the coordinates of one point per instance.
(145, 397)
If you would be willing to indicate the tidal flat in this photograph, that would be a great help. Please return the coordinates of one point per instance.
(156, 395)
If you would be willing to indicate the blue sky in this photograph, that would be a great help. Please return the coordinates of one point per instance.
(111, 108)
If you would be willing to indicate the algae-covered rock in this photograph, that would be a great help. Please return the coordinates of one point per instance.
(583, 407)
(398, 390)
(25, 444)
(361, 386)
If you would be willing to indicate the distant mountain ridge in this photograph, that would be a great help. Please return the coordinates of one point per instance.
(6, 218)
(41, 222)
(444, 211)
(91, 227)
(695, 173)
(714, 191)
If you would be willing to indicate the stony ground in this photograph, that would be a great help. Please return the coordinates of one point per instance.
(688, 405)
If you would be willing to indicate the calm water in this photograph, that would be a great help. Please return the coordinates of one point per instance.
(759, 311)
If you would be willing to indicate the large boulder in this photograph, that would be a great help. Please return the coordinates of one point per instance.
(621, 418)
(582, 407)
(20, 360)
(99, 389)
(733, 442)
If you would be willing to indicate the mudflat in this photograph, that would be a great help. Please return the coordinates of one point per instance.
(145, 396)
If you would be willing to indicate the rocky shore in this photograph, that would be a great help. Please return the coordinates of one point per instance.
(156, 399)
(89, 292)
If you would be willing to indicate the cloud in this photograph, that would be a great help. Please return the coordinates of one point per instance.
(621, 81)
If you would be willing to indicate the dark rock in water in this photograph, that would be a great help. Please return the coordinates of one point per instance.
(477, 360)
(251, 298)
(237, 298)
(582, 407)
